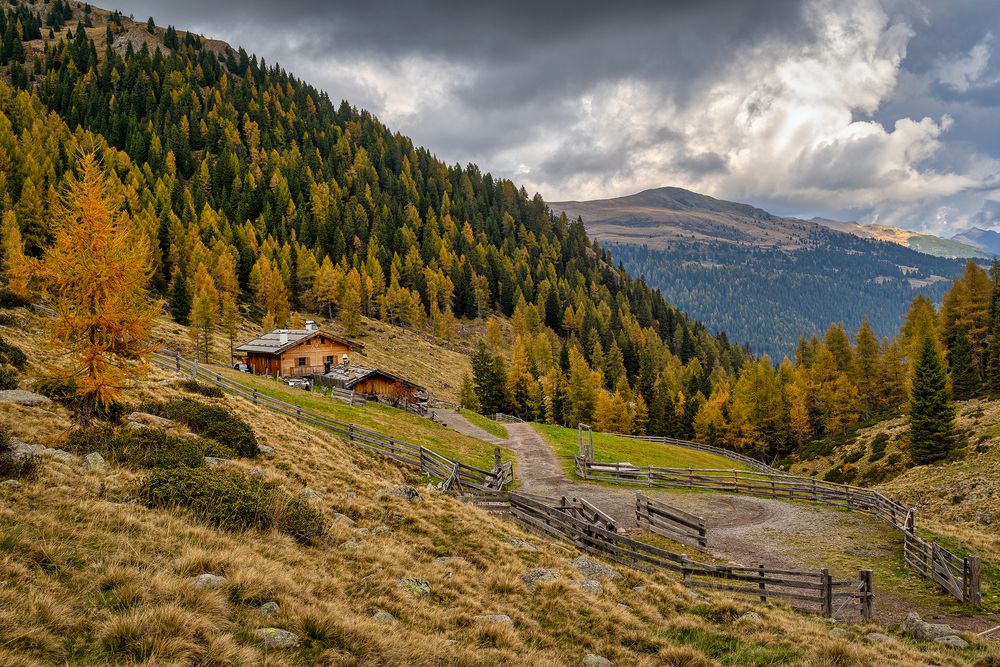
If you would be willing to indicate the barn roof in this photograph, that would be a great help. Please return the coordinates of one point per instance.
(278, 341)
(348, 375)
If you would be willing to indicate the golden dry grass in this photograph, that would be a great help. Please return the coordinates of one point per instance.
(87, 577)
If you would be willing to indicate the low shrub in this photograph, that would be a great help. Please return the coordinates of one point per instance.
(878, 446)
(231, 501)
(195, 387)
(56, 387)
(841, 474)
(855, 456)
(894, 458)
(12, 354)
(9, 299)
(142, 447)
(8, 377)
(7, 319)
(209, 421)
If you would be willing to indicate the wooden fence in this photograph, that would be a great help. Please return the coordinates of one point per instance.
(958, 576)
(505, 419)
(457, 476)
(816, 590)
(662, 519)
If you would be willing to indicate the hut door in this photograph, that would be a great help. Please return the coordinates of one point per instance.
(328, 364)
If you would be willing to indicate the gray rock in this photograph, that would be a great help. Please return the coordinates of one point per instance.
(539, 575)
(921, 629)
(213, 461)
(343, 518)
(953, 641)
(276, 637)
(206, 580)
(749, 617)
(310, 495)
(350, 545)
(269, 608)
(591, 660)
(588, 586)
(381, 531)
(592, 569)
(384, 616)
(22, 397)
(879, 638)
(414, 586)
(94, 461)
(503, 619)
(838, 633)
(258, 473)
(264, 449)
(10, 484)
(146, 419)
(522, 545)
(18, 450)
(445, 561)
(407, 493)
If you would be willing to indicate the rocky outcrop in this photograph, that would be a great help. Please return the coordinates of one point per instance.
(592, 569)
(539, 575)
(415, 587)
(207, 580)
(921, 629)
(276, 637)
(22, 397)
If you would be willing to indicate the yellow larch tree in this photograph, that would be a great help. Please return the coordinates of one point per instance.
(96, 272)
(17, 269)
(204, 312)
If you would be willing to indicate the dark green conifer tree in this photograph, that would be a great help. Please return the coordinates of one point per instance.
(932, 414)
(964, 376)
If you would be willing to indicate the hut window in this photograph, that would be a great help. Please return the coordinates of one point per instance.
(302, 361)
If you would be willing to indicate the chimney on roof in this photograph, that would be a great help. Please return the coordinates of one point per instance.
(283, 337)
(311, 326)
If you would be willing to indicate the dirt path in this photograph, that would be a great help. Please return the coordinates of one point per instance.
(741, 529)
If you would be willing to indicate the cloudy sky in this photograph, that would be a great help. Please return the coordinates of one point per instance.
(876, 110)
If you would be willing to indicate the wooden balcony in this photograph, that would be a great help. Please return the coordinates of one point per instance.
(307, 371)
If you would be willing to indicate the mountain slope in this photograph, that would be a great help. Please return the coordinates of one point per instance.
(925, 243)
(986, 240)
(761, 278)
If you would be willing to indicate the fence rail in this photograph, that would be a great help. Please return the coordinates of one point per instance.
(701, 447)
(455, 474)
(815, 590)
(662, 519)
(505, 419)
(958, 576)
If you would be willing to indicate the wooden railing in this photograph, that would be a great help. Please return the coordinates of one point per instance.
(662, 519)
(455, 475)
(505, 419)
(816, 590)
(958, 576)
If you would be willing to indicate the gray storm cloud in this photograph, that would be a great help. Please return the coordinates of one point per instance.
(862, 109)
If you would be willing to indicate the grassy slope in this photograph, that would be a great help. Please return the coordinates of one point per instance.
(485, 423)
(382, 418)
(609, 448)
(87, 578)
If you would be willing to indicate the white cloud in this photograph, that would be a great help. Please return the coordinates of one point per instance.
(960, 73)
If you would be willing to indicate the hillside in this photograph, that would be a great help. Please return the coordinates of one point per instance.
(986, 240)
(760, 278)
(925, 243)
(90, 576)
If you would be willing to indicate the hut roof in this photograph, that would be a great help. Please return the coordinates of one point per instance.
(348, 375)
(278, 341)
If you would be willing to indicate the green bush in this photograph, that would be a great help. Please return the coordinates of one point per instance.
(141, 448)
(230, 500)
(854, 456)
(209, 421)
(195, 387)
(10, 300)
(58, 388)
(12, 354)
(841, 474)
(878, 446)
(8, 377)
(7, 319)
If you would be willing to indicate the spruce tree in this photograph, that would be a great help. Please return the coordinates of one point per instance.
(180, 300)
(993, 354)
(932, 415)
(964, 374)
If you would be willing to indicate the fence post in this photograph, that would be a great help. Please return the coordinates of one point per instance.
(868, 590)
(350, 432)
(177, 360)
(908, 526)
(975, 597)
(690, 479)
(685, 572)
(298, 413)
(194, 368)
(761, 584)
(827, 593)
(496, 458)
(255, 397)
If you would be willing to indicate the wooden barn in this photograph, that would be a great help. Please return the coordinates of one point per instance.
(296, 352)
(372, 382)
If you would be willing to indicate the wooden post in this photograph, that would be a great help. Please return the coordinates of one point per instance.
(761, 584)
(814, 489)
(177, 360)
(255, 397)
(298, 413)
(827, 593)
(690, 479)
(685, 572)
(868, 599)
(350, 434)
(975, 597)
(496, 458)
(908, 526)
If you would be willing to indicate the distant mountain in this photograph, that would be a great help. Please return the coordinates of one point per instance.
(925, 243)
(761, 278)
(986, 240)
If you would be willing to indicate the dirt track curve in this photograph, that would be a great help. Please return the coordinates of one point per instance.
(743, 530)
